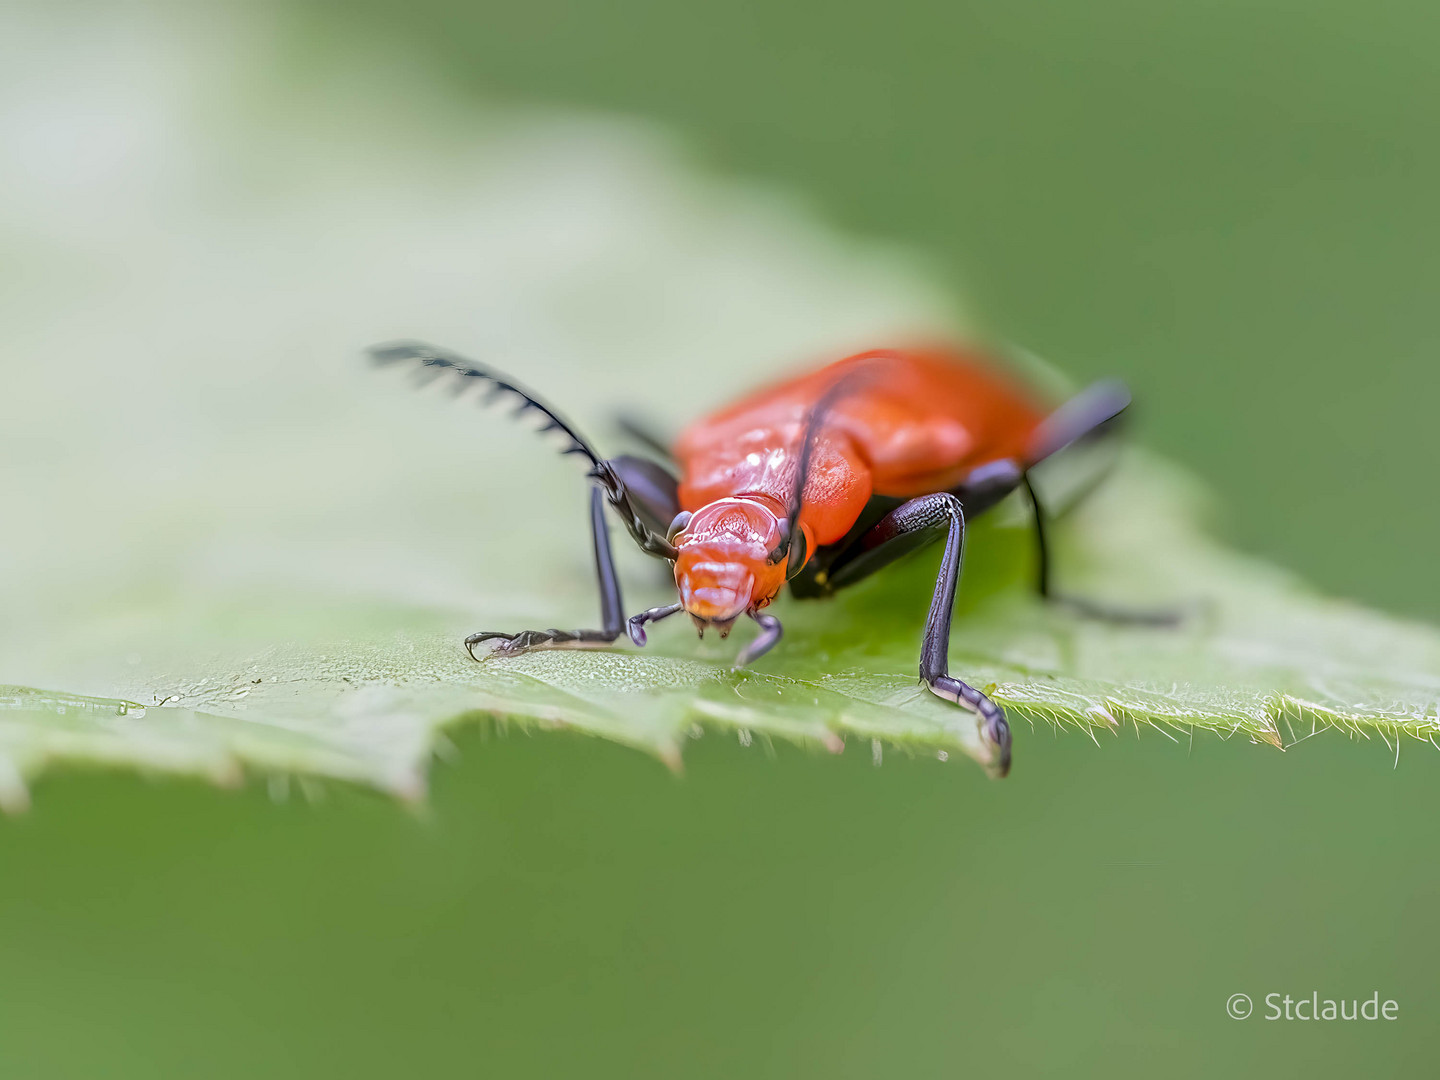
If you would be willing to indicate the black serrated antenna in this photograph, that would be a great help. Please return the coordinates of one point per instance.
(815, 421)
(600, 470)
(431, 357)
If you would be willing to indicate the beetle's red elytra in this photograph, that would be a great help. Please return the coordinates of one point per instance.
(916, 422)
(818, 481)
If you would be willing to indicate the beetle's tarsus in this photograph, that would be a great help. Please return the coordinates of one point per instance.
(528, 640)
(993, 725)
(997, 731)
(770, 633)
(1121, 616)
(636, 623)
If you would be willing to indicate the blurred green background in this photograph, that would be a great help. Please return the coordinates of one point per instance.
(1230, 205)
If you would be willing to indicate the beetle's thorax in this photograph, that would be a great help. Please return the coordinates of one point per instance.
(724, 568)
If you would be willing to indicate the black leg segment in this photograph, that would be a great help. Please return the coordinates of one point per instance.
(912, 525)
(1042, 545)
(1097, 409)
(1091, 417)
(652, 489)
(612, 606)
(770, 633)
(1091, 609)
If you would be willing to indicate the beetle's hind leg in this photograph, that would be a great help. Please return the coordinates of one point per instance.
(1094, 416)
(912, 525)
(1090, 609)
(612, 606)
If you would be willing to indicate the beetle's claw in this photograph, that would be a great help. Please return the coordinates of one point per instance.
(510, 644)
(997, 734)
(635, 625)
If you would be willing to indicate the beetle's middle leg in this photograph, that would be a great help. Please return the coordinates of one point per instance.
(612, 605)
(1094, 415)
(1081, 605)
(909, 526)
(990, 483)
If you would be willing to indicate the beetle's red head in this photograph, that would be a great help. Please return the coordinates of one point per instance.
(724, 566)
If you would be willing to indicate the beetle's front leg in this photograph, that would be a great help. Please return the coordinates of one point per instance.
(612, 607)
(909, 526)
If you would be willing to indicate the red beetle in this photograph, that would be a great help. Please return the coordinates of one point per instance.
(819, 481)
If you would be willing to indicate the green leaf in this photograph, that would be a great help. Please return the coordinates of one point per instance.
(228, 546)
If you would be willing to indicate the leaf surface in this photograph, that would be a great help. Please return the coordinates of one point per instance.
(229, 546)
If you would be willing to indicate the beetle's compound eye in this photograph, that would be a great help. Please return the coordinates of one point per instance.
(799, 554)
(677, 524)
(780, 550)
